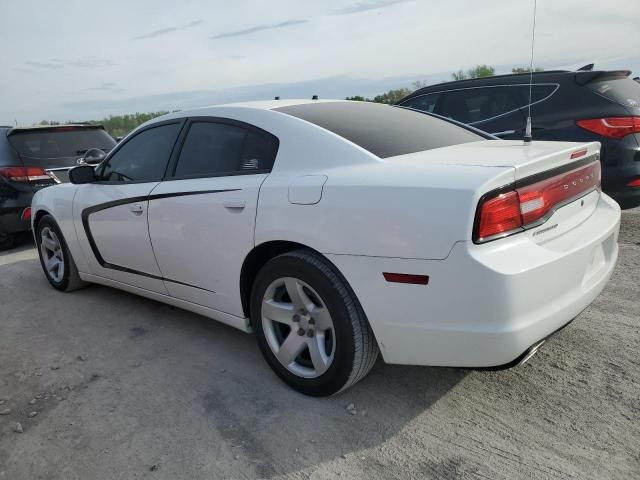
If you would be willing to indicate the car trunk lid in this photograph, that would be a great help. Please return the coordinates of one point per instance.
(526, 160)
(547, 178)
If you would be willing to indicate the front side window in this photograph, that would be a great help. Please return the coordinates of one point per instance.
(143, 158)
(215, 149)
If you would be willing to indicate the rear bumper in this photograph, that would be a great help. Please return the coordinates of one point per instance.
(11, 214)
(485, 305)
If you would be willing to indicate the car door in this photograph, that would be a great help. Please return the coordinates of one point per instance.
(202, 217)
(110, 214)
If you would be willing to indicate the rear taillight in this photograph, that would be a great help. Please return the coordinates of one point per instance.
(527, 206)
(26, 214)
(499, 215)
(612, 127)
(634, 183)
(24, 174)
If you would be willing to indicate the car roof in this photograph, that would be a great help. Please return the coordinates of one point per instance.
(65, 126)
(548, 76)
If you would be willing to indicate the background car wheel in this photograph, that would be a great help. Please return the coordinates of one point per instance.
(310, 326)
(55, 258)
(6, 241)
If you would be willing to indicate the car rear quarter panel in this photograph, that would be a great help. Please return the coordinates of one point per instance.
(401, 208)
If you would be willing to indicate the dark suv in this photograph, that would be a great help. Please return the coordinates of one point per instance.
(570, 106)
(33, 158)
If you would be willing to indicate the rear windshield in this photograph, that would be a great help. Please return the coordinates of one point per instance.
(59, 143)
(623, 91)
(383, 130)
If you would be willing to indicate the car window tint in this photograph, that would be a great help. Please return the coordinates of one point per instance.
(541, 92)
(259, 151)
(143, 158)
(623, 91)
(424, 103)
(384, 130)
(58, 142)
(219, 148)
(479, 104)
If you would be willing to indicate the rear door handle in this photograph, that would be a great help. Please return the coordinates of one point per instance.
(136, 209)
(234, 203)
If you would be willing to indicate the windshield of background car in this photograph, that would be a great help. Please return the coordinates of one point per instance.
(59, 143)
(623, 91)
(384, 130)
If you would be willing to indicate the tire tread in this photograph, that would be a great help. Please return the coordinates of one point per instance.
(366, 347)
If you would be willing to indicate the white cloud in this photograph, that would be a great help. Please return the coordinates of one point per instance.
(90, 60)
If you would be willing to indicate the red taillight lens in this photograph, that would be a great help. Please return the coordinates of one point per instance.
(499, 215)
(525, 206)
(634, 183)
(26, 214)
(613, 127)
(538, 199)
(24, 174)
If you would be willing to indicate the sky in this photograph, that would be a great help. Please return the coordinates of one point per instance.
(84, 59)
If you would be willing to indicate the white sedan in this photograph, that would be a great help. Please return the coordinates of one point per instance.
(337, 230)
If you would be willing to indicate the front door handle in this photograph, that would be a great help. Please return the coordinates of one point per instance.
(234, 203)
(136, 209)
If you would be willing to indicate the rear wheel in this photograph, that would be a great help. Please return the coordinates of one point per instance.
(310, 326)
(6, 240)
(55, 258)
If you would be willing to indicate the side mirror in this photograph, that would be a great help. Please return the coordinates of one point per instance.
(82, 174)
(93, 156)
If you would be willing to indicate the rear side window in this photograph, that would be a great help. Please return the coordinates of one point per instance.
(424, 103)
(472, 105)
(59, 142)
(143, 158)
(623, 91)
(216, 149)
(479, 104)
(384, 130)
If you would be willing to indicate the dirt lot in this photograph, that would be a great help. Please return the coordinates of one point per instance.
(123, 387)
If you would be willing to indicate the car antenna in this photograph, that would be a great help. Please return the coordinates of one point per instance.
(527, 131)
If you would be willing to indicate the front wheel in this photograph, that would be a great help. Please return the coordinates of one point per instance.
(55, 257)
(310, 326)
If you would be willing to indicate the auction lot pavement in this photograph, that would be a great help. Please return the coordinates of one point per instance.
(107, 385)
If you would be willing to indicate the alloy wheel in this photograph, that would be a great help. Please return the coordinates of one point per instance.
(298, 327)
(52, 256)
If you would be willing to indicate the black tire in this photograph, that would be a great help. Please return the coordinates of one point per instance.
(7, 240)
(71, 279)
(356, 349)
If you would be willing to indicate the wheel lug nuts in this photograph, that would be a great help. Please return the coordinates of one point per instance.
(296, 318)
(310, 333)
(312, 321)
(301, 331)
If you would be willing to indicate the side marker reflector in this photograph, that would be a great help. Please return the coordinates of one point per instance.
(578, 154)
(406, 278)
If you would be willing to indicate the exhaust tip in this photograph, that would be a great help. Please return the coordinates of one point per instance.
(531, 352)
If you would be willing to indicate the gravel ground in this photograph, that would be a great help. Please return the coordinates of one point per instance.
(108, 385)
